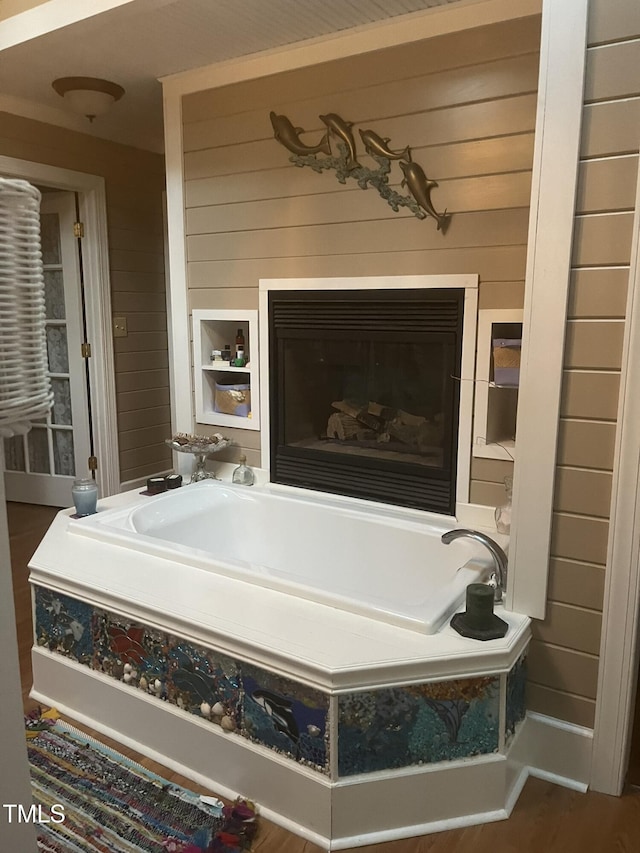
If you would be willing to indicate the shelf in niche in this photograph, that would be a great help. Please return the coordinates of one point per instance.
(226, 368)
(213, 330)
(495, 407)
(506, 450)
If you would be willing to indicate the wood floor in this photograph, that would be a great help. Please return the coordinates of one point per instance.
(546, 819)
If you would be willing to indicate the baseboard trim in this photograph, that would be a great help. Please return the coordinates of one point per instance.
(334, 816)
(555, 750)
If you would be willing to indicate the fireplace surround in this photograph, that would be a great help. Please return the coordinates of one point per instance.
(366, 393)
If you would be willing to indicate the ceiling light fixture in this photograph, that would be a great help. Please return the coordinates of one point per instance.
(88, 96)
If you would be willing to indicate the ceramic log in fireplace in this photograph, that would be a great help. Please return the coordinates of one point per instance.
(364, 395)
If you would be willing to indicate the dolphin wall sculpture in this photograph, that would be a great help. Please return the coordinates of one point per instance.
(346, 165)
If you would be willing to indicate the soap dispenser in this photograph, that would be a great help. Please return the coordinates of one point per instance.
(243, 475)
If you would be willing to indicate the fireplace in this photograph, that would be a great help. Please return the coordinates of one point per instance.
(364, 392)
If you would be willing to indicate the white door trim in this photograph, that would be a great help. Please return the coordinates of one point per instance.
(93, 210)
(618, 646)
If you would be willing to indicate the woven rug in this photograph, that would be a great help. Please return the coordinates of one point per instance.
(110, 804)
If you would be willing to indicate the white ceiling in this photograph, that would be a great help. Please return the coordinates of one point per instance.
(142, 40)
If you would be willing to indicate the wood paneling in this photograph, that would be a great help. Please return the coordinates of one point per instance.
(134, 180)
(572, 582)
(583, 492)
(598, 293)
(446, 126)
(611, 128)
(613, 71)
(564, 706)
(593, 344)
(593, 352)
(601, 240)
(586, 444)
(400, 234)
(497, 263)
(141, 380)
(144, 436)
(154, 360)
(501, 294)
(612, 20)
(129, 401)
(480, 45)
(570, 627)
(607, 184)
(587, 394)
(577, 537)
(137, 419)
(486, 493)
(563, 669)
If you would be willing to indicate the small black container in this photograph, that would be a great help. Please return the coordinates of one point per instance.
(173, 481)
(156, 485)
(479, 622)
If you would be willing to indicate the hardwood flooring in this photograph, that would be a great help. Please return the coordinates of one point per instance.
(546, 819)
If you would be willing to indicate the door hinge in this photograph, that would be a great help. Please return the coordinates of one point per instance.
(85, 349)
(78, 229)
(93, 463)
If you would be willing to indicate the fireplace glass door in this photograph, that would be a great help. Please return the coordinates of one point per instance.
(364, 395)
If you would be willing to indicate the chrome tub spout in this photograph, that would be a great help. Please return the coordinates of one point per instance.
(499, 575)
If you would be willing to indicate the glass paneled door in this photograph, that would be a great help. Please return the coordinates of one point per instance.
(40, 466)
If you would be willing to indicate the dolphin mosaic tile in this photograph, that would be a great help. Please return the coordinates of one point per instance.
(419, 724)
(244, 699)
(516, 706)
(63, 624)
(382, 729)
(286, 716)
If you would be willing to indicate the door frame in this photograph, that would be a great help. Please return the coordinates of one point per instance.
(617, 674)
(95, 258)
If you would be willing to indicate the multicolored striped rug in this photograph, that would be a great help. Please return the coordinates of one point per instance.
(91, 799)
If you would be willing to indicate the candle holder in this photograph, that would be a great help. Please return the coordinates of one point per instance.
(200, 446)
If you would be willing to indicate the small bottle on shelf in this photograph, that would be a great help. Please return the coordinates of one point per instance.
(243, 475)
(240, 359)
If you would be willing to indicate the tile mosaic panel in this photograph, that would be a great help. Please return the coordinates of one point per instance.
(419, 724)
(378, 729)
(260, 706)
(287, 716)
(64, 625)
(516, 697)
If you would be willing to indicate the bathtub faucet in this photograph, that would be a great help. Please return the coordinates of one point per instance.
(498, 578)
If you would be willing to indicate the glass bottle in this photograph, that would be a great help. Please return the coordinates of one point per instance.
(503, 513)
(243, 474)
(85, 496)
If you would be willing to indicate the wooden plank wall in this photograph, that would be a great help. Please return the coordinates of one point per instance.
(134, 182)
(564, 652)
(466, 104)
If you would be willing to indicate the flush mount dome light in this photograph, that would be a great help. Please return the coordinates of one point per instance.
(88, 96)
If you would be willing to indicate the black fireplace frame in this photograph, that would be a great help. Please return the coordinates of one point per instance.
(428, 313)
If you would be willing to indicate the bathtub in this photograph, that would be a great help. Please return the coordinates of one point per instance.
(326, 605)
(388, 565)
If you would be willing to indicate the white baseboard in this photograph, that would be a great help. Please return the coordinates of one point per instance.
(351, 812)
(555, 750)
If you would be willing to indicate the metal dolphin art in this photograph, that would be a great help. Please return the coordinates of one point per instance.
(346, 166)
(288, 135)
(420, 188)
(378, 146)
(342, 129)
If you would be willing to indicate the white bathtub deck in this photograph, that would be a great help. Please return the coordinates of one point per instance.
(321, 645)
